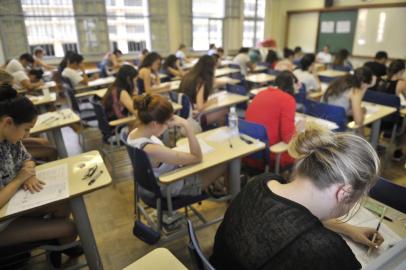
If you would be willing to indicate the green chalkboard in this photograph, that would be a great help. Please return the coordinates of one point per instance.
(337, 29)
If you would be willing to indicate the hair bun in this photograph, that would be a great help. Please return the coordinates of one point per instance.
(312, 139)
(7, 92)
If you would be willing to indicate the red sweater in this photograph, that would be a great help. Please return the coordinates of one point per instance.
(275, 110)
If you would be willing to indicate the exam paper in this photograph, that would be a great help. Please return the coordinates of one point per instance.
(220, 135)
(365, 218)
(221, 96)
(203, 146)
(56, 187)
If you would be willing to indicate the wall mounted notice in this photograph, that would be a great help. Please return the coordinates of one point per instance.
(327, 27)
(343, 27)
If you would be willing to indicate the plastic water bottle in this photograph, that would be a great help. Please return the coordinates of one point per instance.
(233, 121)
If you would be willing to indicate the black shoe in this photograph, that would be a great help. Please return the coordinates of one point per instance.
(398, 155)
(56, 258)
(73, 252)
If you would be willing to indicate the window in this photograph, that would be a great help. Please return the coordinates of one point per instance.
(134, 46)
(208, 18)
(73, 47)
(48, 48)
(128, 24)
(50, 24)
(254, 13)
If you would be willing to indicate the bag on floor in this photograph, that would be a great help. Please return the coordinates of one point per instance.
(146, 233)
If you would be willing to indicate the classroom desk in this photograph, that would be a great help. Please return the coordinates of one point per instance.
(174, 85)
(90, 71)
(158, 259)
(225, 99)
(225, 71)
(131, 118)
(331, 73)
(50, 84)
(42, 101)
(77, 189)
(375, 113)
(256, 91)
(225, 80)
(100, 93)
(260, 68)
(260, 78)
(52, 127)
(96, 83)
(225, 150)
(190, 64)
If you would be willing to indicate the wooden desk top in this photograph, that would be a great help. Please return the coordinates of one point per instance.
(92, 70)
(260, 68)
(158, 259)
(191, 64)
(403, 112)
(256, 91)
(50, 84)
(174, 85)
(131, 118)
(222, 153)
(226, 80)
(100, 93)
(51, 120)
(96, 83)
(377, 112)
(331, 73)
(225, 71)
(77, 187)
(260, 78)
(225, 99)
(42, 100)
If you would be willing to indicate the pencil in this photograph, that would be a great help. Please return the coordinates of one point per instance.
(377, 229)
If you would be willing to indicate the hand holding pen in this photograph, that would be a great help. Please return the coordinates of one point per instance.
(375, 236)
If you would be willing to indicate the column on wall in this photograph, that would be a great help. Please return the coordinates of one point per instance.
(186, 29)
(233, 25)
(159, 26)
(13, 34)
(91, 24)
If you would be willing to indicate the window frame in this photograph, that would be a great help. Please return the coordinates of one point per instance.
(254, 19)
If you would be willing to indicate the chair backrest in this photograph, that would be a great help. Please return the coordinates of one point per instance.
(389, 193)
(236, 89)
(142, 170)
(256, 131)
(194, 248)
(387, 100)
(103, 71)
(102, 119)
(236, 66)
(301, 95)
(70, 94)
(273, 72)
(341, 68)
(328, 112)
(184, 100)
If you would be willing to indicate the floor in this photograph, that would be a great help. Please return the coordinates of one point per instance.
(111, 211)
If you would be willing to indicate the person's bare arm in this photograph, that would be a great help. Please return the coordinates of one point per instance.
(30, 85)
(127, 101)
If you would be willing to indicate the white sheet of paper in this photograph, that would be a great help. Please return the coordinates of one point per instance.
(203, 146)
(371, 109)
(343, 27)
(219, 135)
(327, 27)
(56, 187)
(365, 218)
(221, 96)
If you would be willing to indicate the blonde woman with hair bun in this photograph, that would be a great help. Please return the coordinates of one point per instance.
(274, 224)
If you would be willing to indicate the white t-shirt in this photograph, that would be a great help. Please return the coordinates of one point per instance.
(180, 54)
(323, 57)
(242, 59)
(307, 79)
(73, 75)
(19, 76)
(212, 52)
(14, 66)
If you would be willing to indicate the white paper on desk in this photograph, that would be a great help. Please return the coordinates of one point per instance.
(56, 187)
(365, 218)
(220, 135)
(371, 109)
(203, 146)
(322, 122)
(221, 96)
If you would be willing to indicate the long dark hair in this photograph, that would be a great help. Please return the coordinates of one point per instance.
(340, 57)
(342, 84)
(271, 57)
(170, 62)
(286, 81)
(64, 63)
(124, 81)
(150, 59)
(201, 74)
(19, 108)
(394, 67)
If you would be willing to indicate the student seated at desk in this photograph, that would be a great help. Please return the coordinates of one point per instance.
(275, 109)
(378, 66)
(171, 67)
(274, 224)
(17, 171)
(155, 114)
(348, 91)
(307, 73)
(298, 54)
(112, 62)
(243, 60)
(144, 53)
(287, 62)
(148, 79)
(39, 148)
(118, 101)
(64, 62)
(181, 54)
(22, 64)
(30, 81)
(198, 84)
(271, 59)
(39, 59)
(341, 61)
(74, 69)
(324, 56)
(395, 83)
(212, 49)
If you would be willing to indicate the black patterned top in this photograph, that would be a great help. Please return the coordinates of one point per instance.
(12, 159)
(262, 230)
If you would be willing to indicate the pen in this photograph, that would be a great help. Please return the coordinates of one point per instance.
(377, 229)
(95, 178)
